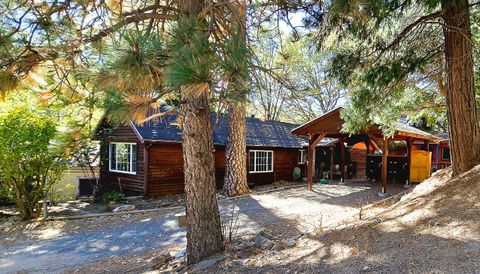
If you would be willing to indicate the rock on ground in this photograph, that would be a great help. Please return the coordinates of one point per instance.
(124, 208)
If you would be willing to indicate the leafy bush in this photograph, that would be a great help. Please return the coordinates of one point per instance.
(113, 196)
(6, 194)
(29, 163)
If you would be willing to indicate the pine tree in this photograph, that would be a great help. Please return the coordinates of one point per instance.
(387, 49)
(236, 68)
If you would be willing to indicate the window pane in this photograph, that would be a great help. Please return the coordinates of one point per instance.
(123, 157)
(252, 161)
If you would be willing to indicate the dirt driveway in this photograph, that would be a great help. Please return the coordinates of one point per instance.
(55, 247)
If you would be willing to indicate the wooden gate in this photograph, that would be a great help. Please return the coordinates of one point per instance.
(421, 164)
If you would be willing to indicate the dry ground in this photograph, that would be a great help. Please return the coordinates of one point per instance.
(433, 229)
(125, 244)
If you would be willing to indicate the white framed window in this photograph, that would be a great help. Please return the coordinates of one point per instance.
(123, 157)
(302, 156)
(260, 161)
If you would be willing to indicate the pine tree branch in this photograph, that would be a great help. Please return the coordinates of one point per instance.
(407, 30)
(128, 20)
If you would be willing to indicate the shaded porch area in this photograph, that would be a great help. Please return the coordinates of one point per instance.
(368, 155)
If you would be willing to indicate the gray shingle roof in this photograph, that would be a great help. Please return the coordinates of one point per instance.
(259, 133)
(407, 128)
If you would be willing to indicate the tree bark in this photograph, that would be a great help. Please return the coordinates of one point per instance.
(204, 233)
(235, 182)
(461, 105)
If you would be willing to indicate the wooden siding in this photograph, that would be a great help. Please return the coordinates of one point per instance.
(165, 170)
(165, 166)
(130, 183)
(284, 161)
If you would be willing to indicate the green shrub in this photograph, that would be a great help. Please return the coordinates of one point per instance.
(29, 162)
(113, 196)
(6, 195)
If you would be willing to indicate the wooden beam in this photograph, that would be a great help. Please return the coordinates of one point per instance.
(427, 145)
(384, 164)
(318, 139)
(374, 142)
(310, 163)
(312, 144)
(409, 156)
(367, 144)
(342, 152)
(332, 152)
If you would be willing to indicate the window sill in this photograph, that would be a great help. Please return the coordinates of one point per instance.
(123, 172)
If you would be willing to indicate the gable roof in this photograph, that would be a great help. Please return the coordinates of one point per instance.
(258, 133)
(331, 124)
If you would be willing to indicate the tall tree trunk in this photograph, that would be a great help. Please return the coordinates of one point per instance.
(235, 182)
(461, 105)
(235, 157)
(204, 233)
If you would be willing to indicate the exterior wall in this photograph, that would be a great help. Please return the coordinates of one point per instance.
(68, 188)
(165, 168)
(284, 161)
(129, 183)
(440, 163)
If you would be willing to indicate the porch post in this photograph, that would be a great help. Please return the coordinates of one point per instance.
(332, 151)
(312, 144)
(427, 145)
(409, 157)
(310, 164)
(342, 166)
(384, 164)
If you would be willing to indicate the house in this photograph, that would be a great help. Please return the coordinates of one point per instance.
(367, 154)
(78, 179)
(147, 159)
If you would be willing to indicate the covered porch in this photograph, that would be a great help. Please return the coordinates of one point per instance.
(366, 155)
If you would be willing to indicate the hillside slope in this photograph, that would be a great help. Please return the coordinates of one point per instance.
(433, 229)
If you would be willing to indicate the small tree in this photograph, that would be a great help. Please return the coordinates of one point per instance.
(28, 163)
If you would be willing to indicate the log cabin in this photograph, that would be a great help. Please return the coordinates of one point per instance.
(147, 159)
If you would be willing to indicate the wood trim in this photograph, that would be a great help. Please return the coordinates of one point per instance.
(299, 130)
(136, 131)
(146, 148)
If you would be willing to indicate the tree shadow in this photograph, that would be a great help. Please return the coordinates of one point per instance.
(436, 231)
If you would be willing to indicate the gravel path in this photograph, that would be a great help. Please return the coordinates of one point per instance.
(296, 210)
